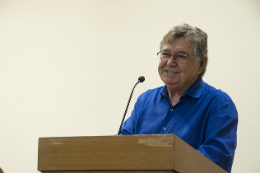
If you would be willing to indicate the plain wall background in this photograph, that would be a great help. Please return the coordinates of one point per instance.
(67, 67)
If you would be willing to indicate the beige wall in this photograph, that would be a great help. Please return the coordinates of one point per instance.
(67, 67)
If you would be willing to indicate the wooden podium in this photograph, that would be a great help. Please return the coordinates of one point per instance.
(122, 154)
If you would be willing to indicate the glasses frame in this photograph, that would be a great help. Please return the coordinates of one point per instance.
(174, 56)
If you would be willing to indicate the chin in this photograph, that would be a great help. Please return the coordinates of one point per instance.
(170, 82)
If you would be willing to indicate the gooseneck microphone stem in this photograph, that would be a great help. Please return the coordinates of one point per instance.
(140, 79)
(127, 108)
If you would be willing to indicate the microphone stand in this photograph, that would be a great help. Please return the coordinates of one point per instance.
(127, 108)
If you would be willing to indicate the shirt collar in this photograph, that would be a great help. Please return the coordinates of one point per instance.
(194, 91)
(164, 92)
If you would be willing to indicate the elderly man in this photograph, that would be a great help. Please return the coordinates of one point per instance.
(201, 115)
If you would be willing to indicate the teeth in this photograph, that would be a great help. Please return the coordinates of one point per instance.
(170, 72)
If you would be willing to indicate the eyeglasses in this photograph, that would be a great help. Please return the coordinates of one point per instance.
(180, 56)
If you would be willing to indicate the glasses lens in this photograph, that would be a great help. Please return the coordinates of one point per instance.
(164, 56)
(181, 56)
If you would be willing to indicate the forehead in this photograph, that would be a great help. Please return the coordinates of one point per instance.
(180, 44)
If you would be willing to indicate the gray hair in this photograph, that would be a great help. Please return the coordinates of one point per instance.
(196, 36)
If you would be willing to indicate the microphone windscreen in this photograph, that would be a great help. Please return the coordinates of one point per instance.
(141, 79)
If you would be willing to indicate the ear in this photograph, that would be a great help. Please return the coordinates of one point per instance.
(202, 64)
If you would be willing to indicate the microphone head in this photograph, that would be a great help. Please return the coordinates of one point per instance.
(141, 79)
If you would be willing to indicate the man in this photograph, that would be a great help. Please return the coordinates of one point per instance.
(204, 117)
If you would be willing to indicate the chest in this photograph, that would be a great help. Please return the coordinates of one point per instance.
(186, 119)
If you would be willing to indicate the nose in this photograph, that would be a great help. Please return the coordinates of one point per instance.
(172, 61)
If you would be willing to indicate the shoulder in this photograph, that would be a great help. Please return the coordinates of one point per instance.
(147, 97)
(152, 92)
(218, 102)
(211, 92)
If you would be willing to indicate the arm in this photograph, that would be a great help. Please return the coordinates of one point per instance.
(220, 134)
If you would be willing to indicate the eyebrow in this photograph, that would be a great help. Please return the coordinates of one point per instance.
(165, 50)
(181, 51)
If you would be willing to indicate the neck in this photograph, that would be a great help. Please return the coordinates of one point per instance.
(175, 92)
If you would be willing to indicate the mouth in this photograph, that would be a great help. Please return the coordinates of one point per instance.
(171, 72)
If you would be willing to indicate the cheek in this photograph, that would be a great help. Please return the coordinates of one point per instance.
(160, 66)
(189, 68)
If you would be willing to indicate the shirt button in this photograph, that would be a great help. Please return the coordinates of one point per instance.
(171, 109)
(164, 128)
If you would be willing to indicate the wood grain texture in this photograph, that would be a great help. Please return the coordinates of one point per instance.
(139, 153)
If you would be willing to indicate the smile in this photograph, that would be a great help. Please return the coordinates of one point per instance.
(171, 72)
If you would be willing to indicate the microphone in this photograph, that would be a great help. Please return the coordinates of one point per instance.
(140, 80)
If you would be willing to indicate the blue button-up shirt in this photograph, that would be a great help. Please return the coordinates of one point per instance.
(204, 117)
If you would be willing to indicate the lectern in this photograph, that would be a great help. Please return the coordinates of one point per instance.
(121, 154)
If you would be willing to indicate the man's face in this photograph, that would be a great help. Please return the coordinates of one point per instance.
(175, 74)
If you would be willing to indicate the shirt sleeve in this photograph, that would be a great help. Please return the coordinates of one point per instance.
(129, 125)
(220, 134)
